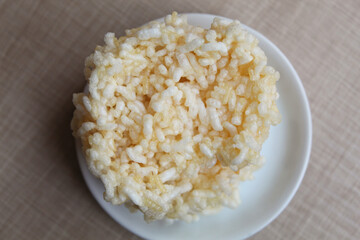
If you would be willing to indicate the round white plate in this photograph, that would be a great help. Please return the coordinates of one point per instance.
(286, 151)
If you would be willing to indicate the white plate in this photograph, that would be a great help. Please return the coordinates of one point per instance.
(286, 151)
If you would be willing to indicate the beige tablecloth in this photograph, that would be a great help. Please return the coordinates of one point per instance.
(43, 45)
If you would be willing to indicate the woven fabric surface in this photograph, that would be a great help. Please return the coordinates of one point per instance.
(43, 45)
